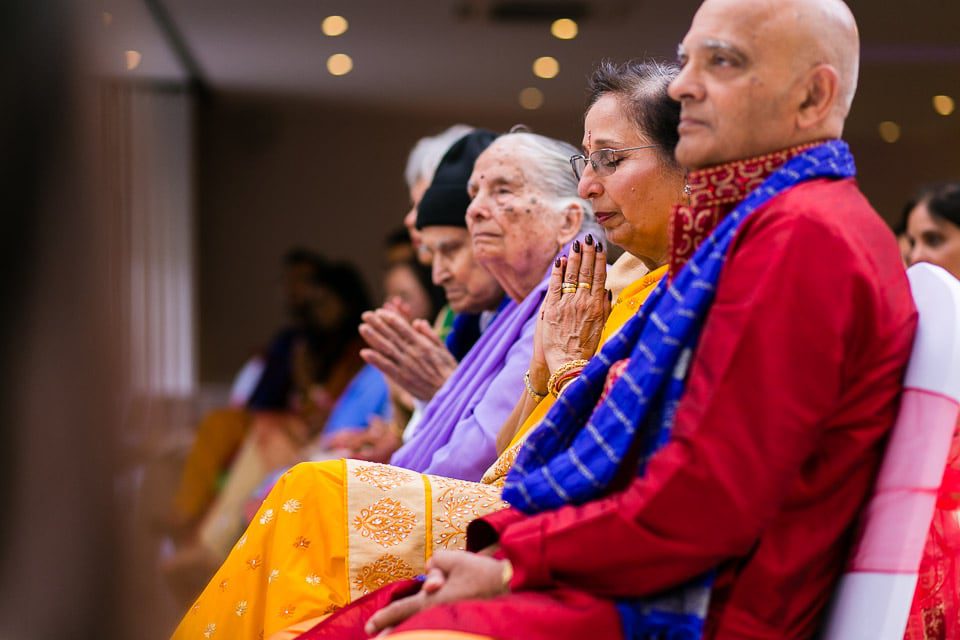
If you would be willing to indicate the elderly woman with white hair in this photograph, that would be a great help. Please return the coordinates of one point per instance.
(332, 531)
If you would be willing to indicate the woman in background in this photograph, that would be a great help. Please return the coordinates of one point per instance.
(933, 235)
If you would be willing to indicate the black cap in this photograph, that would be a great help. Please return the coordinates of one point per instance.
(445, 202)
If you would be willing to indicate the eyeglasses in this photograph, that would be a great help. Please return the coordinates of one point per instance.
(603, 161)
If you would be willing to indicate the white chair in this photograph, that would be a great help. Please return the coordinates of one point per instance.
(874, 596)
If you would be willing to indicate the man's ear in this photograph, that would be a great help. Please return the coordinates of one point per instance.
(821, 92)
(571, 219)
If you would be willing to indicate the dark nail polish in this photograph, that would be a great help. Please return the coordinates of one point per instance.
(599, 247)
(589, 239)
(557, 263)
(609, 295)
(576, 246)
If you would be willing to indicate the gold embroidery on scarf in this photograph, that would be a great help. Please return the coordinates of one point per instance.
(386, 509)
(386, 521)
(384, 570)
(381, 476)
(456, 503)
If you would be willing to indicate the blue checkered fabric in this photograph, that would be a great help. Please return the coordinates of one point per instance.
(573, 456)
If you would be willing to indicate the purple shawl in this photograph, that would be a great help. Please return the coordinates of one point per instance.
(457, 436)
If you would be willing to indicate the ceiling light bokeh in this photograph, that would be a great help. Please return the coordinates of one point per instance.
(944, 105)
(334, 26)
(132, 59)
(339, 64)
(531, 98)
(546, 67)
(889, 131)
(564, 29)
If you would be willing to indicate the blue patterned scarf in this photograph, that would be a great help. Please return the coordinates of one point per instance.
(564, 462)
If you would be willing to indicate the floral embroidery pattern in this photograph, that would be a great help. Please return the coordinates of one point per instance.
(313, 580)
(273, 576)
(224, 584)
(496, 475)
(457, 504)
(288, 611)
(242, 541)
(292, 505)
(241, 608)
(384, 570)
(301, 543)
(381, 476)
(386, 522)
(266, 517)
(255, 562)
(209, 630)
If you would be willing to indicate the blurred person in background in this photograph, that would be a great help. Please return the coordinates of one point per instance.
(421, 164)
(932, 229)
(324, 358)
(265, 384)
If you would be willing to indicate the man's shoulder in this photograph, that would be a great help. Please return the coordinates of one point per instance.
(831, 212)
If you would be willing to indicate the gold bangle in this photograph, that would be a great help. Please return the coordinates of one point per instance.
(584, 285)
(506, 574)
(561, 372)
(537, 397)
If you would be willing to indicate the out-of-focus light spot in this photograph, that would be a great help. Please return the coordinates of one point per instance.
(546, 67)
(531, 98)
(889, 131)
(107, 18)
(944, 105)
(564, 29)
(334, 26)
(132, 58)
(339, 64)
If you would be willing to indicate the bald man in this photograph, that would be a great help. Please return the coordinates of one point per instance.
(744, 517)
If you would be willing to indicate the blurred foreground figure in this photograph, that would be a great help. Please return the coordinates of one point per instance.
(59, 386)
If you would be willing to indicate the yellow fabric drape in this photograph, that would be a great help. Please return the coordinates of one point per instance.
(293, 563)
(219, 436)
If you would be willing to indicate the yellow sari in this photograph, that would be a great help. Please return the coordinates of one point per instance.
(331, 532)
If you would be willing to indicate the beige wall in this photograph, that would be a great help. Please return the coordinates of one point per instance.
(276, 172)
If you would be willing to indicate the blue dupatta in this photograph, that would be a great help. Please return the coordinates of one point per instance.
(575, 453)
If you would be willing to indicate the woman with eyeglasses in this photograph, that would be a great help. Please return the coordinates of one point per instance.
(393, 519)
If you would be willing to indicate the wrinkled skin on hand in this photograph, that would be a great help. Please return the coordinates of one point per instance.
(410, 354)
(570, 324)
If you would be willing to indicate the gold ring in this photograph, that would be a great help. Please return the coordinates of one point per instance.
(584, 285)
(568, 288)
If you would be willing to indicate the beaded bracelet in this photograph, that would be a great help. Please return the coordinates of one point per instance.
(537, 397)
(564, 373)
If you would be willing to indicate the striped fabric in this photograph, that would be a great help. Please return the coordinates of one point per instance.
(575, 454)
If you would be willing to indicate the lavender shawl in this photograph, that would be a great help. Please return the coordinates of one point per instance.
(457, 436)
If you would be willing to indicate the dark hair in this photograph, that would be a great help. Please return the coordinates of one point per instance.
(424, 278)
(642, 85)
(345, 281)
(942, 200)
(397, 238)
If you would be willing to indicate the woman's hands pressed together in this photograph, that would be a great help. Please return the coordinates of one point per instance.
(574, 311)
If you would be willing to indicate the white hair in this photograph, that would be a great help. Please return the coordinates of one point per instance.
(548, 167)
(426, 155)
